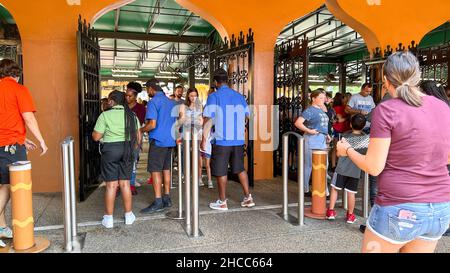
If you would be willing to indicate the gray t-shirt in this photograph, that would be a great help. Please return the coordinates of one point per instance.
(359, 102)
(345, 166)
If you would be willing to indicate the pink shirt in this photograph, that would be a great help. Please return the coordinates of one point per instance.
(416, 166)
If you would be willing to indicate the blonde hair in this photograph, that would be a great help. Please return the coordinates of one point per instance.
(403, 72)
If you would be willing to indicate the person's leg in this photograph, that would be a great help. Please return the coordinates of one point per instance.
(157, 184)
(333, 198)
(110, 196)
(419, 246)
(333, 155)
(208, 168)
(350, 202)
(374, 244)
(4, 198)
(222, 185)
(243, 179)
(167, 179)
(126, 195)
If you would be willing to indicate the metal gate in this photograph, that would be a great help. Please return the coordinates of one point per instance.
(434, 63)
(291, 95)
(236, 57)
(89, 107)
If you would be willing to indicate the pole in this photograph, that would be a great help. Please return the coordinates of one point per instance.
(319, 182)
(180, 182)
(195, 223)
(301, 181)
(285, 176)
(187, 177)
(66, 199)
(73, 207)
(366, 196)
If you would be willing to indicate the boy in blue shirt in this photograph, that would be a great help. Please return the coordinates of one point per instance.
(227, 110)
(160, 124)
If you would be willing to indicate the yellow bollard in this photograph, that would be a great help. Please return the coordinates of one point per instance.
(318, 208)
(22, 211)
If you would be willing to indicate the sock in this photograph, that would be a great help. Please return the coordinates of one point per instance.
(108, 217)
(129, 214)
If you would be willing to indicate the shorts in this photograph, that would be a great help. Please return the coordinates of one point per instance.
(113, 166)
(159, 158)
(7, 158)
(350, 184)
(223, 155)
(407, 222)
(205, 155)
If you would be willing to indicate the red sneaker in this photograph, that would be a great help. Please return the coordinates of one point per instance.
(351, 218)
(331, 214)
(133, 190)
(150, 181)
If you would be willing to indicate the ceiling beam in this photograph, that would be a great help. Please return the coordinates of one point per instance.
(116, 29)
(152, 37)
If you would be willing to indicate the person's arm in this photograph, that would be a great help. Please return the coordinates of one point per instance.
(96, 136)
(32, 124)
(149, 125)
(207, 125)
(300, 125)
(350, 111)
(375, 159)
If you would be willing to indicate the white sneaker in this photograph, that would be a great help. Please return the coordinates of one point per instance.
(248, 202)
(219, 205)
(200, 181)
(108, 221)
(129, 218)
(2, 244)
(210, 185)
(6, 232)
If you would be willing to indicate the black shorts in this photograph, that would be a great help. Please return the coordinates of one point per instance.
(159, 158)
(350, 184)
(7, 158)
(113, 166)
(224, 155)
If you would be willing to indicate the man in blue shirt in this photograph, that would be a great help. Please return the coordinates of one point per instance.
(227, 110)
(160, 124)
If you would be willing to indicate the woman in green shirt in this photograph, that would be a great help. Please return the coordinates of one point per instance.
(119, 129)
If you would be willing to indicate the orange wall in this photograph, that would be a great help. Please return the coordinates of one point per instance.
(267, 19)
(48, 33)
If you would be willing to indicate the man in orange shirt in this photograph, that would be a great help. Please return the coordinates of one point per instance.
(16, 111)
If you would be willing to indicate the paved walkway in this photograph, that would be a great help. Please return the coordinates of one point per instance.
(258, 229)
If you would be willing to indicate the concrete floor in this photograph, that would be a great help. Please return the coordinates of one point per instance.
(259, 229)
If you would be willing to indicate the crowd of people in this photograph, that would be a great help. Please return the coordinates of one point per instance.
(163, 120)
(403, 144)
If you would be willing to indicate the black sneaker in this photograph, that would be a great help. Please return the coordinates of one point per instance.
(362, 228)
(167, 202)
(154, 207)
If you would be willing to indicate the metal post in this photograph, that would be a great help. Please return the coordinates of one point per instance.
(366, 196)
(73, 208)
(187, 177)
(285, 176)
(195, 227)
(180, 182)
(301, 181)
(66, 199)
(171, 169)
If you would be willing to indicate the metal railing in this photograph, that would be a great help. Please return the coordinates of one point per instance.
(72, 240)
(366, 199)
(190, 140)
(178, 215)
(300, 220)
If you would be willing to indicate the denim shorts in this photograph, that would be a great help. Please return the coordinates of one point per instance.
(407, 222)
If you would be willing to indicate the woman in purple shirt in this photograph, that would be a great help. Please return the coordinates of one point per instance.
(409, 150)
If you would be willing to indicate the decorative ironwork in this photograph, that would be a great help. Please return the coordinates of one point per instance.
(236, 57)
(435, 63)
(291, 93)
(89, 107)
